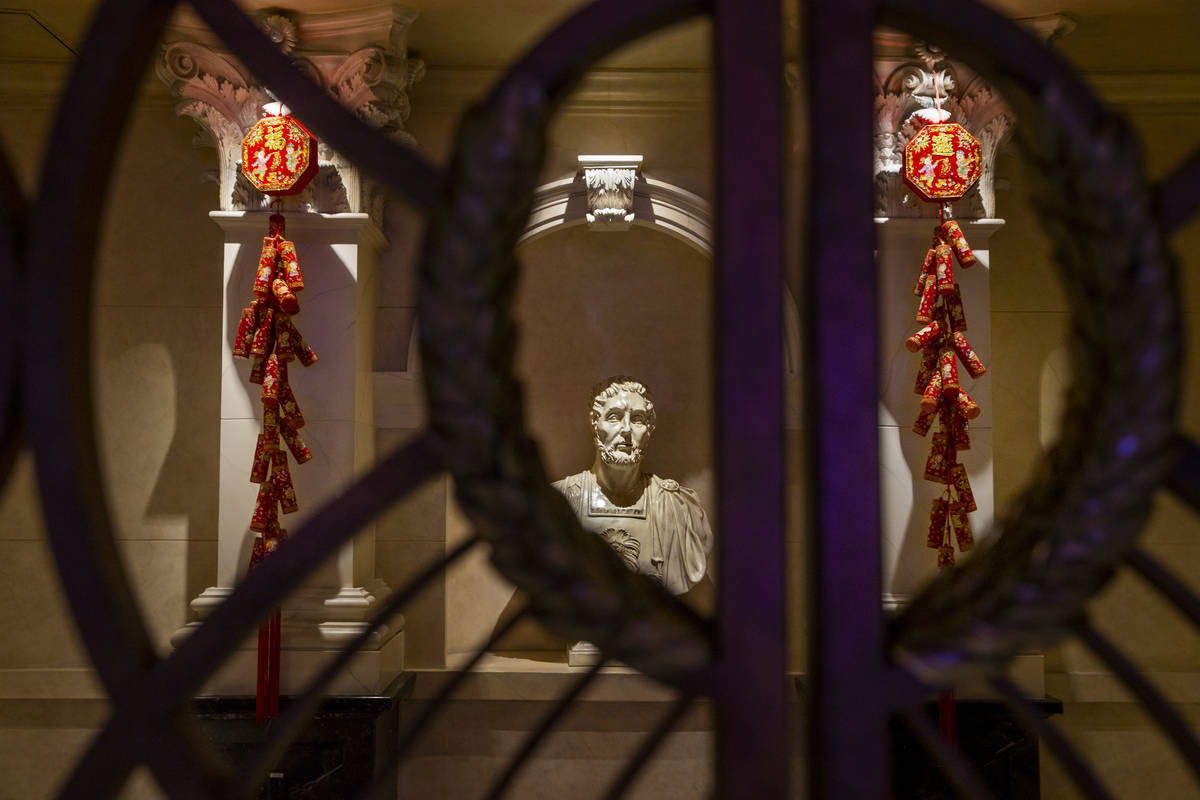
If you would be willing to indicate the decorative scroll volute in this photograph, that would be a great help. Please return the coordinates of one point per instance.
(360, 57)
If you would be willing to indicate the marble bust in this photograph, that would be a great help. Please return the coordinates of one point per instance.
(656, 526)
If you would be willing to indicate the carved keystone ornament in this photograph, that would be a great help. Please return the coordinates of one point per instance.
(610, 181)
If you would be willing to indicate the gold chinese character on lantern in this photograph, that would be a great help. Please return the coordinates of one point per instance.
(943, 144)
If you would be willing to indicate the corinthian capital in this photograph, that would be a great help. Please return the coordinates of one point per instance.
(359, 56)
(912, 80)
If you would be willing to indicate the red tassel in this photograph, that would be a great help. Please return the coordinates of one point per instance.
(948, 710)
(266, 701)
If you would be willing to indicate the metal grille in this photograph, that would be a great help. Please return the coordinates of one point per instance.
(1070, 531)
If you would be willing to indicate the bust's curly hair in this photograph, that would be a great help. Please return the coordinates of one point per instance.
(610, 387)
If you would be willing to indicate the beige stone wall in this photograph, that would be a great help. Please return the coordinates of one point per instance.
(156, 300)
(592, 304)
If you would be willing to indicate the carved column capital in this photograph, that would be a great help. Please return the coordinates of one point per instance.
(359, 56)
(610, 181)
(909, 78)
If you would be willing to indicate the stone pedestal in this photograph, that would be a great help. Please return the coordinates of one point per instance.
(1003, 753)
(337, 255)
(345, 745)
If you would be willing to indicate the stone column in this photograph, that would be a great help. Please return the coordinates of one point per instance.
(360, 57)
(910, 77)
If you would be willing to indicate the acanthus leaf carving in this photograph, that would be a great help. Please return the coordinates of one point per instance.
(371, 80)
(907, 94)
(610, 181)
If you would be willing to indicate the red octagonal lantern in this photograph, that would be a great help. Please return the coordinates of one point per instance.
(279, 155)
(942, 161)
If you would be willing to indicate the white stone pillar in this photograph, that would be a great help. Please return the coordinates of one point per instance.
(361, 57)
(337, 255)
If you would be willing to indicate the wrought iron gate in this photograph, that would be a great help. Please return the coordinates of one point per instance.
(1072, 528)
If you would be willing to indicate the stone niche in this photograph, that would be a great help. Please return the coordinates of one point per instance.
(592, 305)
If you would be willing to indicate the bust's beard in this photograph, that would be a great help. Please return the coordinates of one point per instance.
(613, 456)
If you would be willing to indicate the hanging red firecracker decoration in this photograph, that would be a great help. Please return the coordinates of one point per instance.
(279, 157)
(942, 161)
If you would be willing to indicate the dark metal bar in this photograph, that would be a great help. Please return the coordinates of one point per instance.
(1068, 757)
(993, 45)
(1175, 195)
(65, 224)
(57, 390)
(1161, 578)
(847, 717)
(171, 745)
(14, 218)
(650, 745)
(385, 775)
(399, 165)
(300, 709)
(955, 767)
(1172, 723)
(751, 699)
(1184, 478)
(544, 727)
